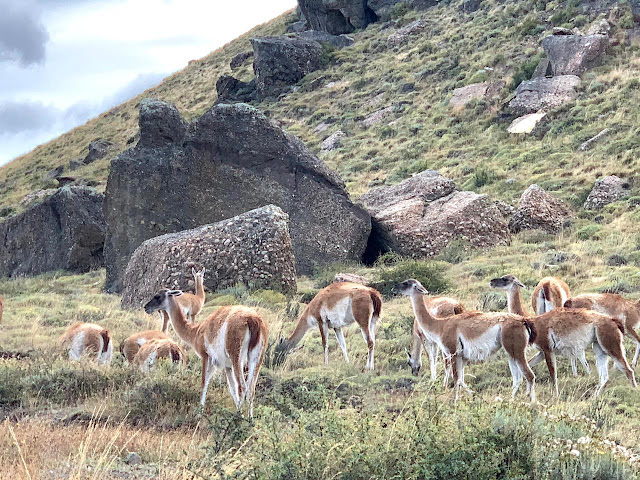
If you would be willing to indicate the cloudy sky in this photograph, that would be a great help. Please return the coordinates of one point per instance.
(65, 61)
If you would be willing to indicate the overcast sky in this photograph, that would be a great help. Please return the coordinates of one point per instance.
(63, 62)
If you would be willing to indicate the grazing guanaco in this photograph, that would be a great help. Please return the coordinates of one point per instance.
(130, 346)
(512, 286)
(474, 336)
(89, 338)
(550, 293)
(154, 350)
(439, 307)
(569, 332)
(613, 305)
(233, 338)
(336, 306)
(192, 303)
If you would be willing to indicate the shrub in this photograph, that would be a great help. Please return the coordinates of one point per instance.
(458, 250)
(394, 270)
(525, 71)
(589, 232)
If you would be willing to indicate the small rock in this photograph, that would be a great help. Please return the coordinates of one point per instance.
(561, 31)
(407, 87)
(133, 459)
(238, 60)
(402, 35)
(75, 164)
(97, 149)
(539, 210)
(526, 123)
(232, 90)
(543, 94)
(575, 54)
(333, 141)
(616, 260)
(377, 117)
(601, 28)
(56, 172)
(607, 190)
(589, 143)
(321, 127)
(463, 95)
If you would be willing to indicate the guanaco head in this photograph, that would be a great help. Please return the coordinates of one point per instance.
(198, 275)
(160, 300)
(506, 282)
(415, 365)
(410, 287)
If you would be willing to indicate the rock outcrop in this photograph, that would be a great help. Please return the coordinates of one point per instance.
(539, 210)
(463, 95)
(336, 16)
(232, 90)
(423, 214)
(403, 34)
(232, 159)
(575, 54)
(64, 232)
(160, 124)
(543, 94)
(97, 149)
(607, 190)
(253, 249)
(333, 141)
(238, 60)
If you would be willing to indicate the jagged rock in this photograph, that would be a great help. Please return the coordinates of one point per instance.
(526, 123)
(333, 141)
(401, 36)
(338, 41)
(543, 69)
(238, 60)
(539, 210)
(607, 190)
(280, 62)
(253, 249)
(336, 16)
(56, 172)
(297, 27)
(601, 28)
(589, 143)
(575, 54)
(160, 123)
(470, 6)
(421, 215)
(377, 117)
(63, 232)
(233, 159)
(543, 94)
(350, 277)
(133, 459)
(463, 95)
(231, 90)
(97, 149)
(37, 195)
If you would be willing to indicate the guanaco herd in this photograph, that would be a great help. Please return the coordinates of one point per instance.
(234, 338)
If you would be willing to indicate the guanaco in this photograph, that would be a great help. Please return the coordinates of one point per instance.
(474, 336)
(336, 306)
(89, 338)
(233, 338)
(130, 346)
(550, 293)
(192, 303)
(154, 350)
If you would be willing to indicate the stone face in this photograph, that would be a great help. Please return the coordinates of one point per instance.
(526, 123)
(421, 215)
(539, 210)
(403, 34)
(253, 249)
(238, 60)
(607, 190)
(463, 95)
(63, 232)
(160, 123)
(333, 141)
(336, 16)
(231, 90)
(280, 62)
(233, 159)
(543, 94)
(575, 54)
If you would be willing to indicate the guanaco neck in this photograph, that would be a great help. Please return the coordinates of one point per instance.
(186, 331)
(200, 287)
(302, 327)
(422, 313)
(416, 346)
(514, 302)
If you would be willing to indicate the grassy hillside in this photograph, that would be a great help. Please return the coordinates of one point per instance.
(79, 421)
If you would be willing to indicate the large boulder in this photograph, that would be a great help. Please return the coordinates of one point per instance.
(160, 123)
(64, 232)
(253, 249)
(539, 210)
(232, 159)
(543, 94)
(607, 190)
(336, 16)
(423, 214)
(232, 90)
(575, 54)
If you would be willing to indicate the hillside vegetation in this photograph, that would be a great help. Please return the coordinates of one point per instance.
(77, 421)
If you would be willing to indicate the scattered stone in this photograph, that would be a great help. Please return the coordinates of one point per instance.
(232, 90)
(375, 100)
(350, 277)
(333, 141)
(539, 210)
(160, 123)
(526, 123)
(616, 260)
(238, 60)
(407, 87)
(402, 35)
(575, 54)
(232, 159)
(133, 459)
(423, 214)
(63, 232)
(543, 94)
(37, 195)
(463, 95)
(97, 149)
(589, 143)
(377, 117)
(253, 249)
(607, 190)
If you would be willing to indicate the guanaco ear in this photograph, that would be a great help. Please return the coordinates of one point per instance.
(202, 271)
(193, 271)
(421, 289)
(408, 354)
(520, 284)
(174, 293)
